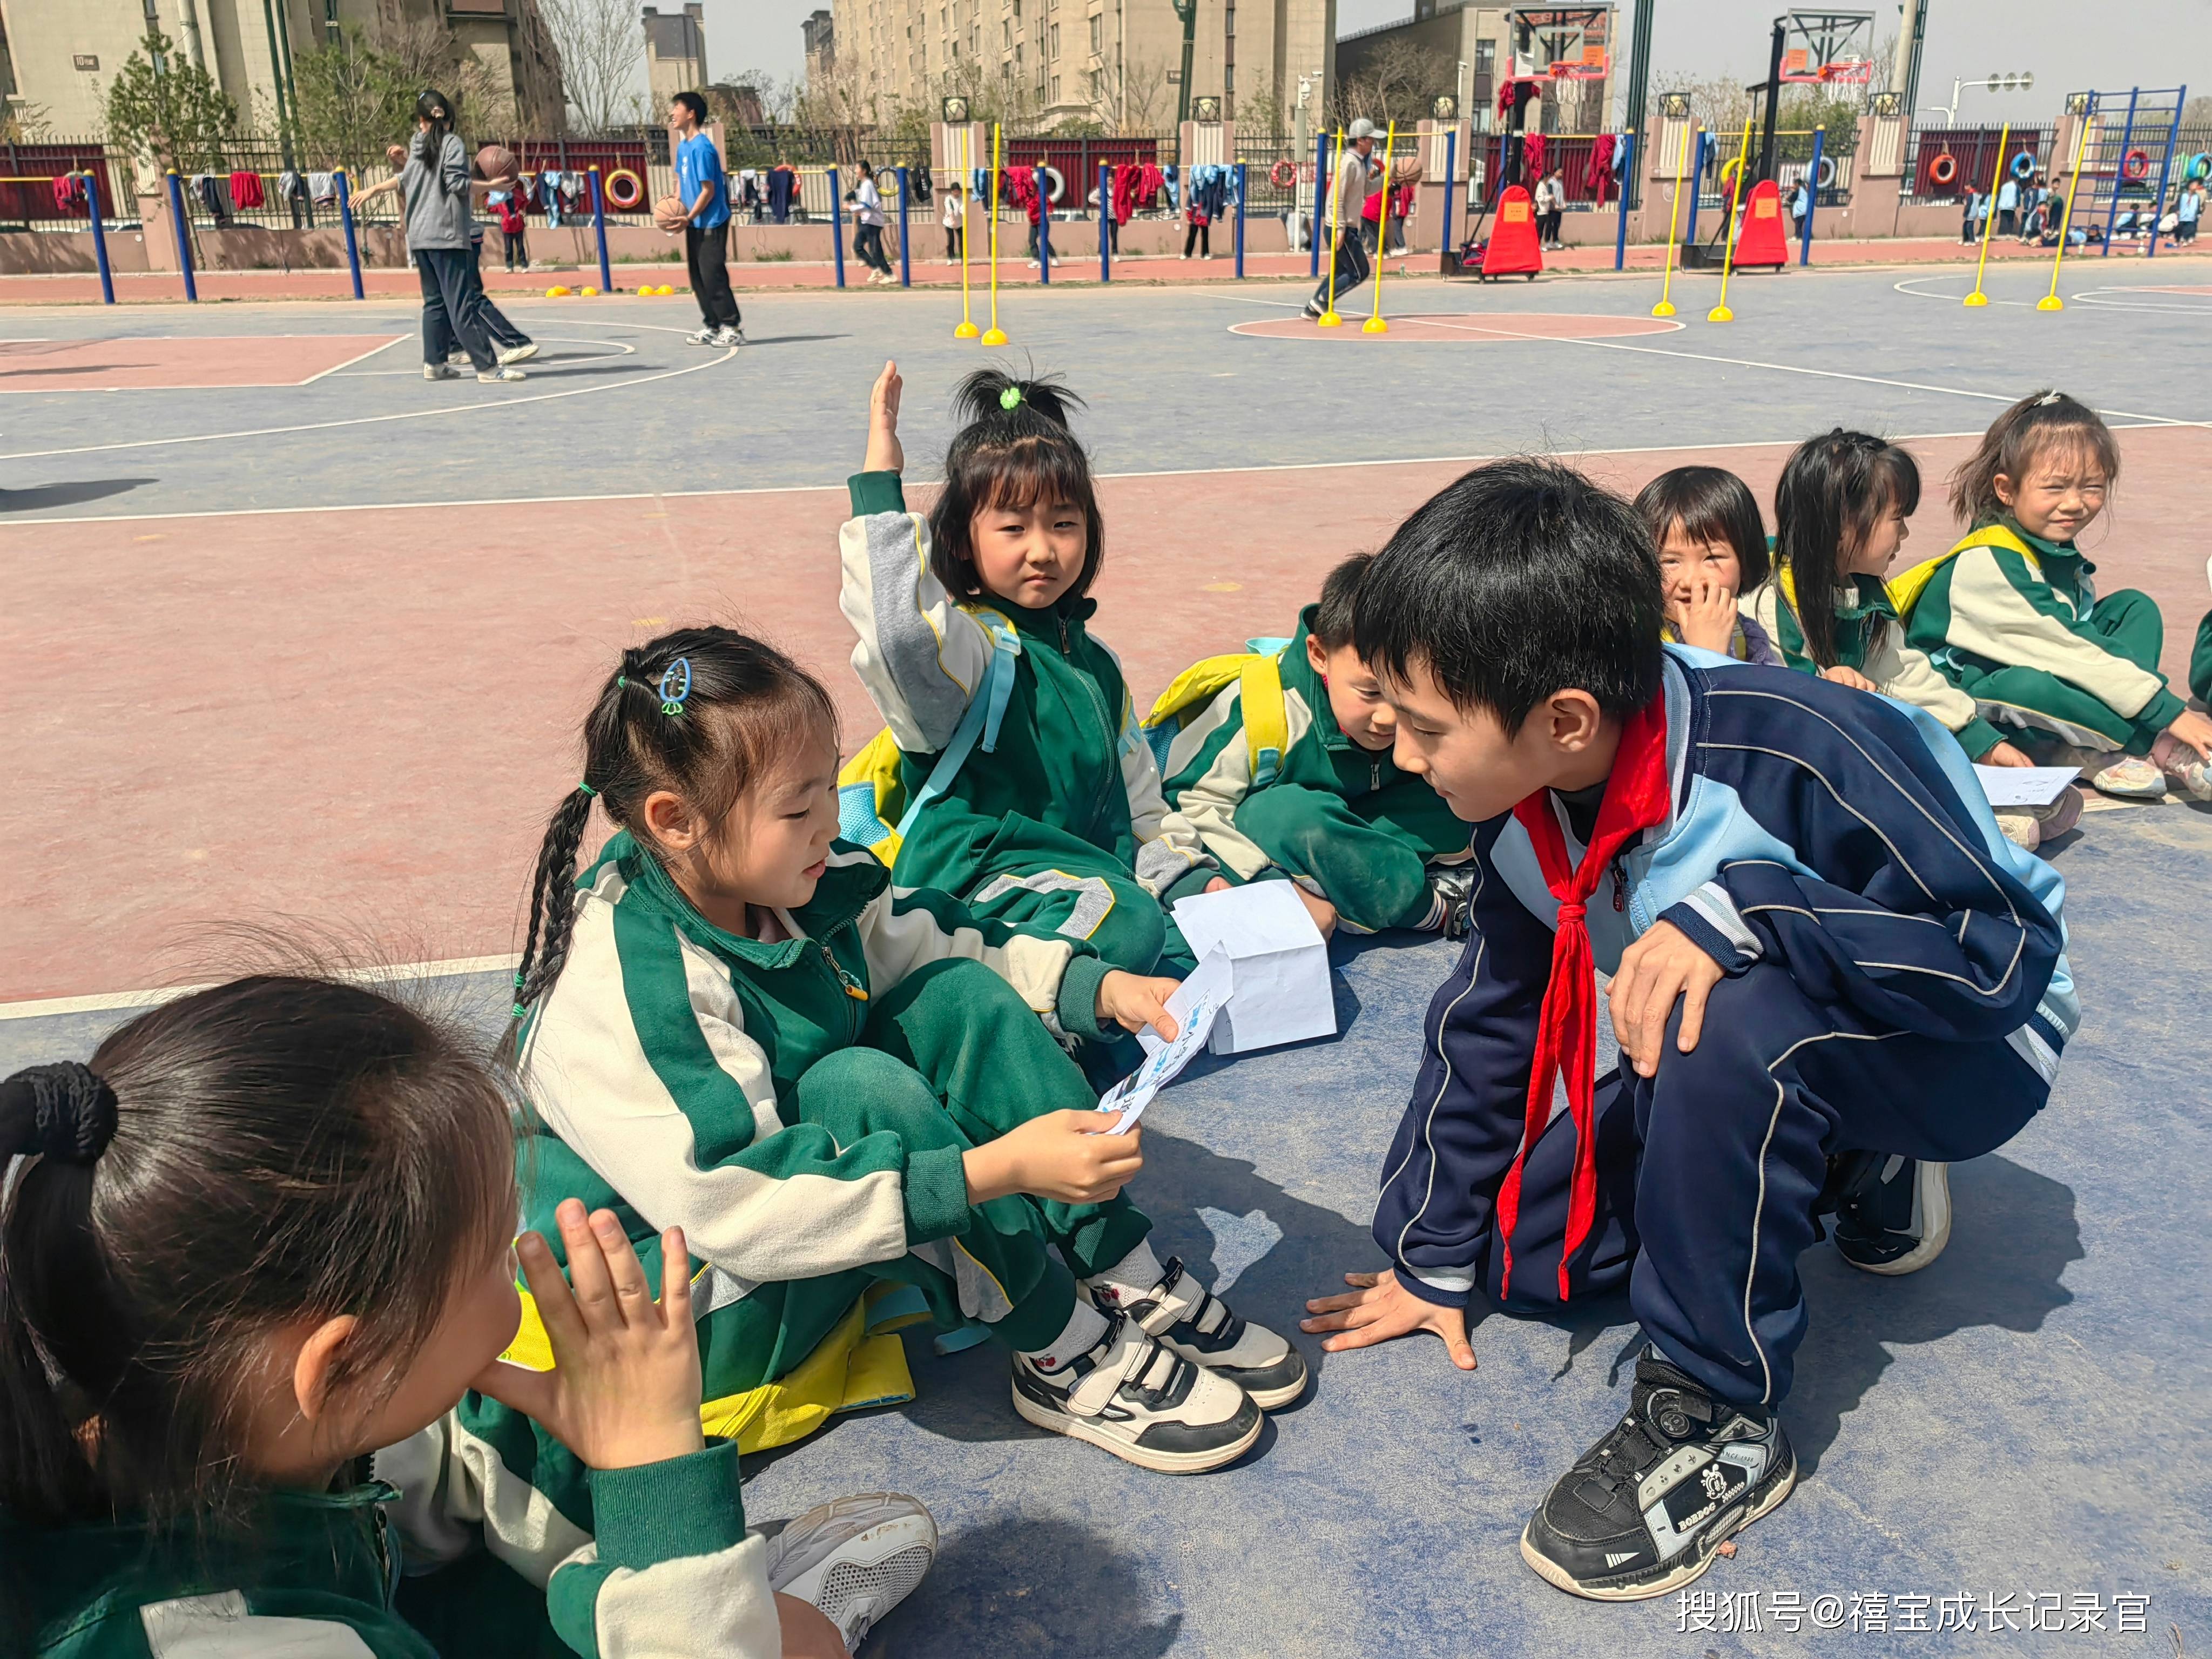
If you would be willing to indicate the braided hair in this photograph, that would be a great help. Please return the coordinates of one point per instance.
(1834, 490)
(741, 703)
(1014, 449)
(276, 1150)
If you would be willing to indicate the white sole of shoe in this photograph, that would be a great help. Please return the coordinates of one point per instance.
(1934, 1197)
(1266, 1399)
(1552, 1574)
(1078, 1428)
(522, 354)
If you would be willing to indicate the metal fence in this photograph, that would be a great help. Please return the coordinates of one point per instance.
(26, 189)
(1947, 163)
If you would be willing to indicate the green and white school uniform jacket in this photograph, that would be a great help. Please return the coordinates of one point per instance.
(661, 1065)
(436, 1548)
(1870, 639)
(1070, 784)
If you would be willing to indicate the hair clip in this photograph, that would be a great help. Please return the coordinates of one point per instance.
(1011, 398)
(2048, 398)
(676, 686)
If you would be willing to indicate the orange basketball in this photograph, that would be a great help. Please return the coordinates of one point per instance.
(496, 161)
(1406, 170)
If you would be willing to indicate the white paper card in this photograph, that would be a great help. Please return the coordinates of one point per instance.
(1195, 1003)
(2025, 786)
(1281, 962)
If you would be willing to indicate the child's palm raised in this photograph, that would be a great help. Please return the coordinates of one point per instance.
(885, 453)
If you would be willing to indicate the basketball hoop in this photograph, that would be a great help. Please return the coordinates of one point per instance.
(1832, 48)
(1849, 72)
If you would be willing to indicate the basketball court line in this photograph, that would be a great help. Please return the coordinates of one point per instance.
(363, 358)
(227, 386)
(927, 483)
(2092, 297)
(620, 350)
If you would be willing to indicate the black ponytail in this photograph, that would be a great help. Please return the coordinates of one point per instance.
(699, 712)
(1014, 448)
(1834, 490)
(277, 1150)
(437, 109)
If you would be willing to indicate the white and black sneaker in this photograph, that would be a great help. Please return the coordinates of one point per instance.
(855, 1557)
(1186, 1317)
(1641, 1512)
(1142, 1402)
(1451, 891)
(704, 337)
(1900, 1221)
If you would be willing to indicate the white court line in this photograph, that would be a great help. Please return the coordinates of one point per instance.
(620, 350)
(50, 1007)
(350, 361)
(2094, 299)
(372, 420)
(927, 483)
(232, 385)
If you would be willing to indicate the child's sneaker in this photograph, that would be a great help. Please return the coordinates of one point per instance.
(2181, 765)
(1900, 1221)
(2130, 777)
(1452, 894)
(855, 1559)
(1186, 1317)
(1642, 1512)
(1142, 1402)
(517, 353)
(499, 374)
(2018, 826)
(441, 372)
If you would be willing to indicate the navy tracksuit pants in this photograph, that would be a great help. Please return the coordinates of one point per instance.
(1707, 1173)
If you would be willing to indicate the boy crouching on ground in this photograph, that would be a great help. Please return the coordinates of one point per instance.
(1821, 947)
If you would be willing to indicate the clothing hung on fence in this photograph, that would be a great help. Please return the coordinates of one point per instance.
(69, 191)
(782, 192)
(1532, 155)
(1598, 177)
(323, 186)
(918, 187)
(290, 186)
(246, 191)
(1209, 193)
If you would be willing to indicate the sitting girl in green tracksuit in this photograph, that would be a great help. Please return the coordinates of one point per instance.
(732, 1022)
(1013, 774)
(1327, 809)
(2011, 617)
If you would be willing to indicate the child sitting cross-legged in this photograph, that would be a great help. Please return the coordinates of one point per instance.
(733, 1023)
(1826, 961)
(258, 1266)
(1289, 774)
(1712, 547)
(2012, 615)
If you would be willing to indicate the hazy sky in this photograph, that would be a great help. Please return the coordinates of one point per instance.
(2067, 45)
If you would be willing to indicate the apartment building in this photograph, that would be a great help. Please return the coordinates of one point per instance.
(64, 54)
(675, 53)
(1118, 61)
(1473, 49)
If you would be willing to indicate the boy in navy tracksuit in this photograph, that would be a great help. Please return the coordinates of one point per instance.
(1831, 976)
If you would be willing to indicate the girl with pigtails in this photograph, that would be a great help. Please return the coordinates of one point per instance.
(732, 1022)
(1012, 772)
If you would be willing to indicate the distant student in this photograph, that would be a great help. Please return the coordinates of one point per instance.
(1822, 949)
(2012, 617)
(732, 1022)
(1013, 774)
(954, 218)
(1328, 809)
(703, 189)
(1711, 543)
(258, 1267)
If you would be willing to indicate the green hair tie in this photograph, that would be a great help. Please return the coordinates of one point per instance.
(620, 682)
(1011, 398)
(518, 981)
(587, 792)
(517, 1012)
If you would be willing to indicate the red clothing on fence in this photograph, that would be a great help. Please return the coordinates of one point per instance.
(245, 189)
(1598, 180)
(1532, 155)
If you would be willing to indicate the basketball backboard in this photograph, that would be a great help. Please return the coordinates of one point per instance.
(1827, 47)
(1561, 42)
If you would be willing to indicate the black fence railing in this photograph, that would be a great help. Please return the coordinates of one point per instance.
(27, 199)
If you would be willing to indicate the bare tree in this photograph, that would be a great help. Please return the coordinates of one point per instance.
(1393, 82)
(602, 45)
(426, 53)
(1139, 99)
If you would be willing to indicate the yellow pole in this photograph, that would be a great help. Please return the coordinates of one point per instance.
(1989, 219)
(967, 330)
(1666, 306)
(995, 335)
(1375, 324)
(1329, 318)
(1721, 313)
(2051, 301)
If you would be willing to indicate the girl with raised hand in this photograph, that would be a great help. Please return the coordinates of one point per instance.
(732, 1022)
(257, 1272)
(1712, 548)
(1013, 774)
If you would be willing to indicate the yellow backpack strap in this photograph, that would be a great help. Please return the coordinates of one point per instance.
(1267, 723)
(1906, 590)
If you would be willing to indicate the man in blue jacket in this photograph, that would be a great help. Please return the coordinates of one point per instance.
(1831, 976)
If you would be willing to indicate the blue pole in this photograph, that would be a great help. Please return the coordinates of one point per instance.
(1240, 218)
(1812, 199)
(1105, 222)
(183, 228)
(98, 237)
(1044, 228)
(2166, 169)
(1627, 177)
(905, 267)
(1314, 231)
(353, 247)
(1697, 188)
(1451, 182)
(599, 229)
(2119, 172)
(837, 227)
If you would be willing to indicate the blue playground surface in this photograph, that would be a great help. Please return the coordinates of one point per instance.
(2010, 1424)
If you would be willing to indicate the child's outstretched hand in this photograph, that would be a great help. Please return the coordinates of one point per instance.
(1067, 1155)
(624, 1387)
(1133, 1002)
(1381, 1309)
(1664, 964)
(1708, 621)
(2195, 730)
(1850, 676)
(885, 453)
(2004, 754)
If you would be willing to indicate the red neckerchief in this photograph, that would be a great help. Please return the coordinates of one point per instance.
(1636, 798)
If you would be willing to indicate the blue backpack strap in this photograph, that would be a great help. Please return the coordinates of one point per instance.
(985, 710)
